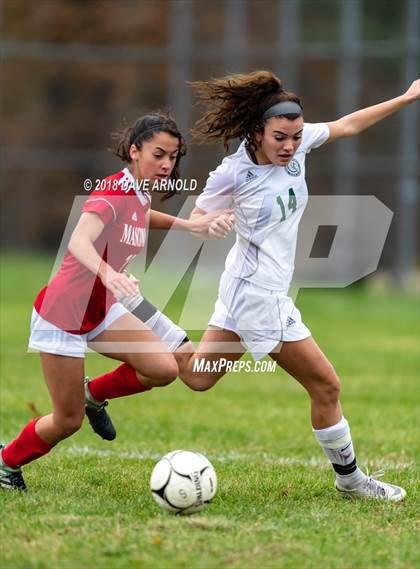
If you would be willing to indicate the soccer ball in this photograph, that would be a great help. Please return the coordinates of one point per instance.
(183, 482)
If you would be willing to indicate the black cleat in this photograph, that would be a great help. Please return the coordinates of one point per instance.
(99, 419)
(11, 478)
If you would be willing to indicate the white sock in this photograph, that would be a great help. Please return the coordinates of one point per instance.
(337, 445)
(88, 397)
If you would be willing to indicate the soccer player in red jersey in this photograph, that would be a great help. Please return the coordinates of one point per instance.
(80, 304)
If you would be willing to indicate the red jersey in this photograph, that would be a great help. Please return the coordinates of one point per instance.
(75, 300)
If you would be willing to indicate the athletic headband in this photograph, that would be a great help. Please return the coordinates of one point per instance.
(282, 109)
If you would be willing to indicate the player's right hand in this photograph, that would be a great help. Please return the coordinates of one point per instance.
(222, 225)
(119, 283)
(214, 225)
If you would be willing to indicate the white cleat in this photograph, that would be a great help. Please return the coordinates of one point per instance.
(371, 488)
(11, 478)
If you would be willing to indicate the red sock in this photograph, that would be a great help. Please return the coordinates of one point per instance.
(120, 382)
(27, 447)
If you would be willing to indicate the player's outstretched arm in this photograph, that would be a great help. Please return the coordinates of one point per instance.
(214, 225)
(356, 122)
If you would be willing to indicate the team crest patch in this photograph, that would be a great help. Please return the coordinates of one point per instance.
(293, 168)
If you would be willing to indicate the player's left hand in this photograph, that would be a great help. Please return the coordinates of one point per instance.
(215, 225)
(413, 92)
(118, 283)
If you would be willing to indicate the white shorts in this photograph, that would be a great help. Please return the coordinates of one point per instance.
(262, 318)
(45, 337)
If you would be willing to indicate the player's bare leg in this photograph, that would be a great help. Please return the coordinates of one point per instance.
(64, 379)
(212, 348)
(304, 361)
(148, 365)
(155, 366)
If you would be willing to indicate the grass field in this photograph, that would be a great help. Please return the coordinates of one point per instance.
(89, 502)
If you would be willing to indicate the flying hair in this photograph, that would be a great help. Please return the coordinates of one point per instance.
(235, 105)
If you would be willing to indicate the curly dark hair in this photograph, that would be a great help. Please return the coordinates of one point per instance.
(235, 105)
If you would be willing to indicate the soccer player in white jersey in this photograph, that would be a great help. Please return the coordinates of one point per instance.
(80, 304)
(264, 183)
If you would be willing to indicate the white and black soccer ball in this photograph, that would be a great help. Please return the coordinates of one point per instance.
(183, 482)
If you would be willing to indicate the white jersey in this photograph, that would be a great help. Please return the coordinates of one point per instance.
(268, 202)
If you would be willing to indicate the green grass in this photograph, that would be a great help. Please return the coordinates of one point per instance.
(89, 501)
